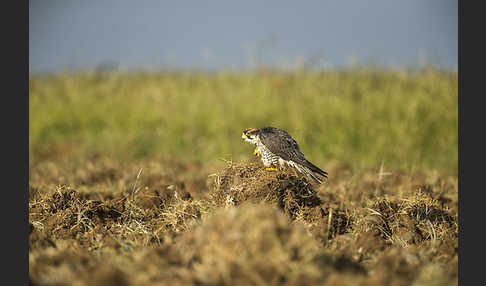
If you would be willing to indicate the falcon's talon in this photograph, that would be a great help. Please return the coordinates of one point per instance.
(271, 169)
(257, 153)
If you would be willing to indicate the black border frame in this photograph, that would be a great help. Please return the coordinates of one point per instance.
(15, 115)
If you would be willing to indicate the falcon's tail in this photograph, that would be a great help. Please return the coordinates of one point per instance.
(312, 171)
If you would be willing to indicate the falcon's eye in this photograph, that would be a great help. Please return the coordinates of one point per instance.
(249, 132)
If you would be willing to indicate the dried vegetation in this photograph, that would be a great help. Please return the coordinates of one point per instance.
(242, 225)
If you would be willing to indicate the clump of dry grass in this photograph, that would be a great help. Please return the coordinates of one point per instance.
(410, 220)
(100, 219)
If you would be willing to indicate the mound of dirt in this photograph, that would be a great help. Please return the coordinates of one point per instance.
(255, 243)
(293, 194)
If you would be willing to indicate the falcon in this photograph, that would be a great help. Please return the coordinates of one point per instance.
(279, 150)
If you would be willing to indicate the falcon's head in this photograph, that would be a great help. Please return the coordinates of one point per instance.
(250, 135)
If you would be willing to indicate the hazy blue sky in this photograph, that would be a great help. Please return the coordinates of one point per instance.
(233, 34)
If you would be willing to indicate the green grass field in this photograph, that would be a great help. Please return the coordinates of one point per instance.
(357, 117)
(141, 178)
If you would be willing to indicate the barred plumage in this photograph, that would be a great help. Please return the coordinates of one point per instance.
(278, 149)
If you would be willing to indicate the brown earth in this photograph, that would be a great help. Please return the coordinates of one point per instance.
(100, 224)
